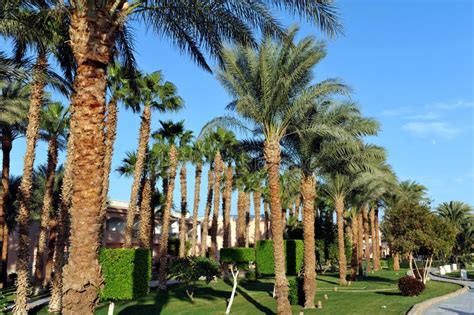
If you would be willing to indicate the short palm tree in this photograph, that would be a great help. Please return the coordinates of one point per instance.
(455, 212)
(152, 94)
(54, 128)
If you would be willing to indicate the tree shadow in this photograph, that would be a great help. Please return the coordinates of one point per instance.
(389, 293)
(458, 312)
(260, 307)
(257, 286)
(327, 281)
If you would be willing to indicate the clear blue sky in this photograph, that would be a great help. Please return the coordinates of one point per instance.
(410, 64)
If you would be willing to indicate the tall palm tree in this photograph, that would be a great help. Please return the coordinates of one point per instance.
(193, 26)
(152, 94)
(54, 127)
(184, 153)
(271, 90)
(14, 102)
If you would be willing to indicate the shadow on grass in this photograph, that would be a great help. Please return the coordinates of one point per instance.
(162, 298)
(257, 285)
(260, 307)
(388, 293)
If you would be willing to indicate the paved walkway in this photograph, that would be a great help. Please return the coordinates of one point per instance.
(459, 305)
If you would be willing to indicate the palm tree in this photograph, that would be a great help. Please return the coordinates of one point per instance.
(119, 88)
(14, 102)
(191, 26)
(455, 212)
(152, 94)
(54, 125)
(171, 133)
(271, 90)
(197, 159)
(184, 153)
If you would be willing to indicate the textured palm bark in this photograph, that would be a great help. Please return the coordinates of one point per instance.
(267, 220)
(46, 211)
(272, 156)
(257, 199)
(166, 219)
(143, 137)
(247, 219)
(146, 212)
(377, 240)
(226, 204)
(7, 142)
(197, 190)
(48, 268)
(355, 245)
(207, 210)
(184, 211)
(110, 135)
(55, 302)
(339, 203)
(240, 218)
(92, 40)
(372, 233)
(396, 262)
(365, 214)
(217, 199)
(23, 218)
(360, 242)
(308, 191)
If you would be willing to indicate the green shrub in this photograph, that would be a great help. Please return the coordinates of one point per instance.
(294, 252)
(410, 286)
(251, 275)
(173, 246)
(295, 291)
(126, 272)
(237, 255)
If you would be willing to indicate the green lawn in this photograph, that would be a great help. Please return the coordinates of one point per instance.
(378, 294)
(457, 274)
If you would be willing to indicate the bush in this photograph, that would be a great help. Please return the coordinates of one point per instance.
(126, 272)
(173, 246)
(296, 292)
(251, 275)
(237, 255)
(190, 269)
(294, 252)
(410, 286)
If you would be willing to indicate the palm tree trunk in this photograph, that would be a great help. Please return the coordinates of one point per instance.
(308, 191)
(366, 236)
(360, 242)
(55, 302)
(7, 143)
(197, 189)
(377, 240)
(184, 210)
(355, 245)
(372, 233)
(166, 219)
(226, 204)
(23, 219)
(45, 211)
(297, 207)
(92, 40)
(339, 203)
(240, 218)
(53, 234)
(257, 199)
(110, 135)
(272, 156)
(138, 174)
(267, 220)
(207, 210)
(217, 199)
(146, 213)
(247, 218)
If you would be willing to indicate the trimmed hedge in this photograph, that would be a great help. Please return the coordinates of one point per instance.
(237, 255)
(296, 292)
(126, 271)
(410, 286)
(294, 252)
